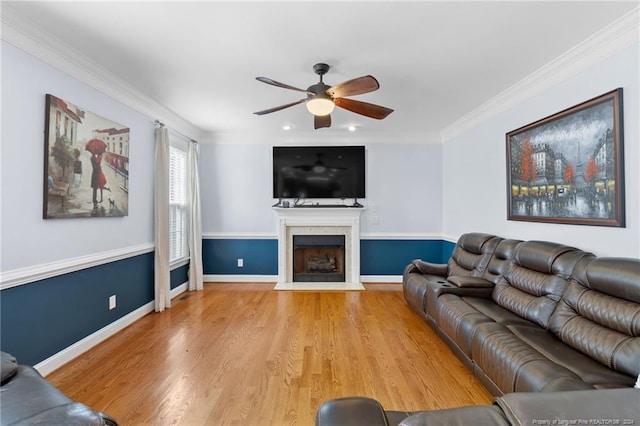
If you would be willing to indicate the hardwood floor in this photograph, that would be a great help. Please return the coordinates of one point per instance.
(241, 354)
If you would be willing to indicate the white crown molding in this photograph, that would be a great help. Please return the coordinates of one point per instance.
(619, 35)
(49, 49)
(304, 137)
(49, 270)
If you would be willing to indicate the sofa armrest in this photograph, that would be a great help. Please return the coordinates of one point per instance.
(351, 411)
(469, 282)
(8, 367)
(28, 399)
(600, 406)
(428, 268)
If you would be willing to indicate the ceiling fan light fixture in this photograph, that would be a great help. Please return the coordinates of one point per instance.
(320, 106)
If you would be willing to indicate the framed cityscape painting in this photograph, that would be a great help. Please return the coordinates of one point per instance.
(568, 167)
(86, 163)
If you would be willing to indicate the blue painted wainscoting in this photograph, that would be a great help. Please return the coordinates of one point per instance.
(389, 257)
(220, 256)
(260, 256)
(40, 319)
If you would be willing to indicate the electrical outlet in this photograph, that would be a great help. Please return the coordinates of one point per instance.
(112, 302)
(240, 263)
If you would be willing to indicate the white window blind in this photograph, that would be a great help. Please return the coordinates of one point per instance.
(177, 204)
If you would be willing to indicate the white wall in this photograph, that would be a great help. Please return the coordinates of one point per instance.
(404, 189)
(475, 189)
(236, 189)
(26, 238)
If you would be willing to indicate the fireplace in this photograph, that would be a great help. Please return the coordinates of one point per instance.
(318, 258)
(320, 222)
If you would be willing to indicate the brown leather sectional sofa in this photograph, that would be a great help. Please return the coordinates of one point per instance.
(533, 316)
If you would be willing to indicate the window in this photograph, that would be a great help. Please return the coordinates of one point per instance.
(177, 203)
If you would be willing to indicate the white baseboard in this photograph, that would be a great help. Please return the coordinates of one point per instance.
(274, 278)
(68, 354)
(322, 286)
(381, 278)
(240, 278)
(64, 356)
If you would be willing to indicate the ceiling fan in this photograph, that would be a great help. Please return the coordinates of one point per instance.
(321, 98)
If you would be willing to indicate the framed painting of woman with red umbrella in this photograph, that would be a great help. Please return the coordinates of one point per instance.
(86, 170)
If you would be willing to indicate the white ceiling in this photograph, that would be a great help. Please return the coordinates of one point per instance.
(435, 61)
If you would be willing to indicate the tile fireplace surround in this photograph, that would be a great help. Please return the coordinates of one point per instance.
(319, 221)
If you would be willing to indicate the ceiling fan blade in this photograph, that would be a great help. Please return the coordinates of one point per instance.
(363, 108)
(321, 121)
(284, 86)
(278, 108)
(357, 86)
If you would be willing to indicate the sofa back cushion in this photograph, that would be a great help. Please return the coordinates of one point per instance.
(532, 283)
(500, 261)
(472, 254)
(599, 313)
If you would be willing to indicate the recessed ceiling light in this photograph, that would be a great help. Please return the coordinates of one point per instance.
(352, 128)
(286, 127)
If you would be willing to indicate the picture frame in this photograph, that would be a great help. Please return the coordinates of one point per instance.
(86, 163)
(568, 168)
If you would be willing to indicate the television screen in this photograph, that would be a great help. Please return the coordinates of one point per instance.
(318, 172)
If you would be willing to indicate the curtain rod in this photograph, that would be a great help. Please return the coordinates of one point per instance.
(161, 124)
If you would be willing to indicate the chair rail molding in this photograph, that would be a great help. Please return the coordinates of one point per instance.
(30, 274)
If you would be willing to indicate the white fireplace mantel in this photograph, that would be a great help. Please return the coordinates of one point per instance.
(319, 221)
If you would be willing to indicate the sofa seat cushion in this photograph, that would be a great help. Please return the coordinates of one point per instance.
(497, 313)
(589, 370)
(612, 407)
(458, 320)
(512, 364)
(462, 416)
(458, 317)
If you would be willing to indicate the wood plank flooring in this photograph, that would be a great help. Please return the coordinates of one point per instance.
(242, 354)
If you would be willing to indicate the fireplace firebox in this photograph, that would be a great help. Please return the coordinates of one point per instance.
(318, 258)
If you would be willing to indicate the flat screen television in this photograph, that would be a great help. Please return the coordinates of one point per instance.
(318, 172)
